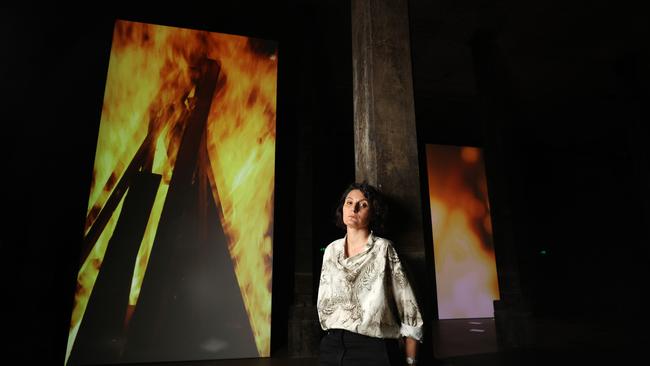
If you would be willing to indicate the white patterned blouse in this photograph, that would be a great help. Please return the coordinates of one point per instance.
(367, 293)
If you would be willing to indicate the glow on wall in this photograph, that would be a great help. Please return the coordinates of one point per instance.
(466, 276)
(177, 251)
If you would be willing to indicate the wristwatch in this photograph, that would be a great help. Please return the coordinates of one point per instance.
(411, 361)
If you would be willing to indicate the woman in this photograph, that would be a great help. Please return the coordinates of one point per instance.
(365, 302)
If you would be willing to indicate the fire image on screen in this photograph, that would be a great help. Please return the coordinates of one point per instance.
(176, 261)
(465, 267)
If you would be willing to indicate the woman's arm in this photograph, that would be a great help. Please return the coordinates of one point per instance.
(411, 347)
(406, 303)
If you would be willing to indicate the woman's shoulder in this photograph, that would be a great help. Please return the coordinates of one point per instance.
(383, 242)
(387, 247)
(336, 243)
(380, 239)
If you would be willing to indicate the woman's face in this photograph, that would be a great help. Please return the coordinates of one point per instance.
(356, 210)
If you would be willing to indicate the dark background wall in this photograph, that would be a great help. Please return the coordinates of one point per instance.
(556, 94)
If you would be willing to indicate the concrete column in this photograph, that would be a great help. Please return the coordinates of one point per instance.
(386, 152)
(385, 138)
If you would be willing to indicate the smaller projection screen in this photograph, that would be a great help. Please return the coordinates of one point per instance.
(176, 262)
(466, 276)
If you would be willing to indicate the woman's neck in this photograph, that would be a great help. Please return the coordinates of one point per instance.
(357, 237)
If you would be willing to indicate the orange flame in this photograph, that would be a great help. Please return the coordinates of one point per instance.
(466, 277)
(241, 146)
(149, 90)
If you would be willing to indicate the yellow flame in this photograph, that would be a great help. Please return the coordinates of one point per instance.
(149, 91)
(132, 108)
(466, 278)
(87, 275)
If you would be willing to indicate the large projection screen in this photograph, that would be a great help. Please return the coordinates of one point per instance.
(466, 275)
(177, 250)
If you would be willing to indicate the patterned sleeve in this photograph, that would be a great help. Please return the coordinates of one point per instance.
(405, 301)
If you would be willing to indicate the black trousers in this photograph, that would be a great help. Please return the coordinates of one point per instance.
(343, 348)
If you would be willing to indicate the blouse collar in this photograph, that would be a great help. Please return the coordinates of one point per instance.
(371, 241)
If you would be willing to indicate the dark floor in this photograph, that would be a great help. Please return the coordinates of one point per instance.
(568, 342)
(462, 337)
(556, 343)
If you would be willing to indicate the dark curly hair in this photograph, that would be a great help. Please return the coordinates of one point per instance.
(377, 204)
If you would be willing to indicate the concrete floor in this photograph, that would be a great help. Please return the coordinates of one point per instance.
(556, 343)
